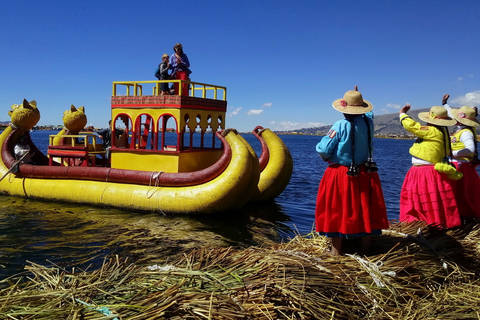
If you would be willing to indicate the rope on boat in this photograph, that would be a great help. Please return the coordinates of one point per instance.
(108, 174)
(14, 167)
(104, 310)
(106, 184)
(155, 176)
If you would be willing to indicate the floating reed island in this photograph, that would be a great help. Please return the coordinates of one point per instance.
(414, 272)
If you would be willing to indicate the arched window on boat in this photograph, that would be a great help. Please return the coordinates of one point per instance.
(200, 128)
(168, 137)
(144, 132)
(193, 133)
(214, 124)
(122, 131)
(220, 127)
(187, 132)
(200, 133)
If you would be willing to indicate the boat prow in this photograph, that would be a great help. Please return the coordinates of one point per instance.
(276, 165)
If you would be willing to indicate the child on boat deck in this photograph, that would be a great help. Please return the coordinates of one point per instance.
(163, 68)
(428, 191)
(350, 201)
(465, 158)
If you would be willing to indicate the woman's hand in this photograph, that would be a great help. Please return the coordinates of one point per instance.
(445, 99)
(405, 108)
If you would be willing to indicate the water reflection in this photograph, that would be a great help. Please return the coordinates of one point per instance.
(79, 235)
(70, 234)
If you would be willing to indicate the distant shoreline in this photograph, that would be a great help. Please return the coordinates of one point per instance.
(381, 136)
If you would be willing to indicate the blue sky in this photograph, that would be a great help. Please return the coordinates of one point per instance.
(283, 62)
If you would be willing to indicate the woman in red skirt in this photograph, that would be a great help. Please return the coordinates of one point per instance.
(180, 65)
(465, 158)
(350, 201)
(428, 191)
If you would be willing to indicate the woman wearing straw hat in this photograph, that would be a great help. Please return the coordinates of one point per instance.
(350, 201)
(465, 158)
(428, 189)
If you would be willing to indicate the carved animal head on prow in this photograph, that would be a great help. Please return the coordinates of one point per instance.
(24, 116)
(74, 119)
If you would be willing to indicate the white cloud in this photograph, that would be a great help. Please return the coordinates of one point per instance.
(393, 106)
(267, 105)
(460, 79)
(288, 125)
(469, 99)
(234, 112)
(254, 112)
(468, 76)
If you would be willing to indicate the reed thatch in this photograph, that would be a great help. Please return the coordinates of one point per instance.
(414, 272)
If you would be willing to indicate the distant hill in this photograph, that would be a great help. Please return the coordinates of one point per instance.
(386, 125)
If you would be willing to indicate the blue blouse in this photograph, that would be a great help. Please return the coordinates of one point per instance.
(336, 146)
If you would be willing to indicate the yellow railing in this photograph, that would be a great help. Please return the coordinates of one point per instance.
(85, 139)
(135, 88)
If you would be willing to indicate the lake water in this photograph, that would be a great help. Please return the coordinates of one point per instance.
(79, 235)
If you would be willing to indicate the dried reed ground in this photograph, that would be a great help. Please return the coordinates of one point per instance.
(414, 272)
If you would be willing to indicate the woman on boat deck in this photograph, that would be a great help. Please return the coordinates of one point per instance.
(465, 158)
(428, 191)
(180, 68)
(350, 201)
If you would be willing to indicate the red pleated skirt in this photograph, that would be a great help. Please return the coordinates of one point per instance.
(429, 196)
(468, 191)
(350, 207)
(181, 75)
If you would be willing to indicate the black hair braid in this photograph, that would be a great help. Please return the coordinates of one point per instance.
(475, 161)
(447, 148)
(353, 169)
(475, 154)
(370, 164)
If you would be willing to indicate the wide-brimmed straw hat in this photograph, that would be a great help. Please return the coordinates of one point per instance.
(438, 116)
(465, 115)
(352, 103)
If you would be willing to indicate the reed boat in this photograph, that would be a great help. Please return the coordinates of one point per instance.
(168, 153)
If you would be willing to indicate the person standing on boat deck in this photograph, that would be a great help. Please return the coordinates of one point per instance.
(428, 191)
(350, 202)
(21, 148)
(465, 158)
(106, 136)
(162, 74)
(180, 66)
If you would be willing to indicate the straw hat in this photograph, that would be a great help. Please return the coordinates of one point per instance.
(465, 115)
(438, 116)
(352, 103)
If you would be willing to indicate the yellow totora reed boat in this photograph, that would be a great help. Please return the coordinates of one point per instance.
(169, 153)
